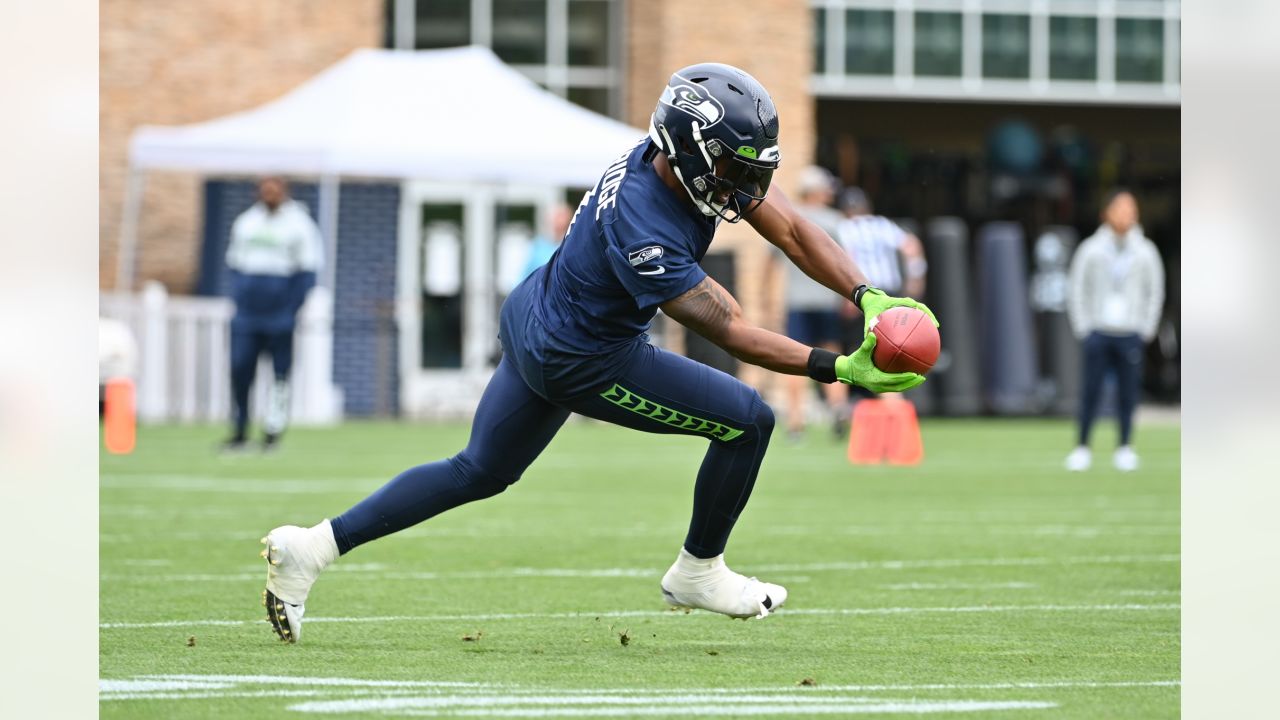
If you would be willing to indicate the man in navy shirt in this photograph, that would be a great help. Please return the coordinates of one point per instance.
(573, 336)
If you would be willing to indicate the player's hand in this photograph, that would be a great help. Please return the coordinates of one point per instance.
(858, 369)
(875, 301)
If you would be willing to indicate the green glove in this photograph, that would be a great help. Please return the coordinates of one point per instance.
(874, 301)
(858, 369)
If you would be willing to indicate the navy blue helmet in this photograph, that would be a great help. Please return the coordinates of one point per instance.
(719, 129)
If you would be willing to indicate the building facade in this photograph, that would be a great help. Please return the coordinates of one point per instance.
(170, 63)
(903, 97)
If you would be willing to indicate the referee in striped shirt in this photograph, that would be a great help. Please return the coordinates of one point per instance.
(892, 258)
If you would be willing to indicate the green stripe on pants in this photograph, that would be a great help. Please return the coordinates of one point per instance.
(628, 400)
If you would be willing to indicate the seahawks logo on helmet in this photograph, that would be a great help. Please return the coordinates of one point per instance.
(695, 101)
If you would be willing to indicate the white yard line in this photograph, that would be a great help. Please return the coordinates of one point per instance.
(485, 617)
(336, 695)
(976, 562)
(173, 536)
(210, 483)
(673, 705)
(195, 681)
(959, 586)
(1033, 685)
(975, 527)
(520, 572)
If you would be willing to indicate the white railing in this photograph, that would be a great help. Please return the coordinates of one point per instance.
(184, 344)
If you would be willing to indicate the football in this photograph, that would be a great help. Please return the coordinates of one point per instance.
(906, 341)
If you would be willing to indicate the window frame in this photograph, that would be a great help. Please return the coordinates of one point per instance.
(834, 80)
(555, 74)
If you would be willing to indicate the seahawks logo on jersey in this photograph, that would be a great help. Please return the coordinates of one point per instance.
(645, 255)
(695, 101)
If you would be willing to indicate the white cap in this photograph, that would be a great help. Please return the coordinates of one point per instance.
(814, 179)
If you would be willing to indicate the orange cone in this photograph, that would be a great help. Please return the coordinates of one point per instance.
(885, 430)
(904, 444)
(119, 416)
(867, 430)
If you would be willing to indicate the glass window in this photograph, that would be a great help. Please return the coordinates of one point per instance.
(1073, 48)
(443, 230)
(868, 42)
(1139, 50)
(819, 40)
(520, 31)
(939, 44)
(443, 23)
(589, 32)
(515, 225)
(1006, 46)
(591, 98)
(388, 23)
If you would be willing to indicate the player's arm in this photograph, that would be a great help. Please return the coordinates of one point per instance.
(709, 310)
(807, 245)
(821, 257)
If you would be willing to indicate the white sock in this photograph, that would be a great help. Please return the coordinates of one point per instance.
(329, 547)
(690, 564)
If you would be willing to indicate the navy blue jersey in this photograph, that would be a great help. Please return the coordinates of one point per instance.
(633, 244)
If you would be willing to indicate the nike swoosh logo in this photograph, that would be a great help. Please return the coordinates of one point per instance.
(659, 271)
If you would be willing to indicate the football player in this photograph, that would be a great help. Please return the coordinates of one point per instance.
(573, 340)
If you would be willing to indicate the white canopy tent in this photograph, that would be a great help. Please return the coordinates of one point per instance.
(458, 119)
(456, 115)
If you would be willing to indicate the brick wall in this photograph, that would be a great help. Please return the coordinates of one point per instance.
(772, 40)
(169, 63)
(365, 340)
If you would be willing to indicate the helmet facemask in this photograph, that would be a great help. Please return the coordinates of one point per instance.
(721, 182)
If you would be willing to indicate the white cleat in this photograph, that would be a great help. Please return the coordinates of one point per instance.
(295, 556)
(1080, 459)
(1125, 459)
(709, 584)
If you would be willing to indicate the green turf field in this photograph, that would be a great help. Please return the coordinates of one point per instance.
(985, 583)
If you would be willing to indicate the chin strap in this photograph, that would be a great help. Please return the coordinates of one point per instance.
(669, 149)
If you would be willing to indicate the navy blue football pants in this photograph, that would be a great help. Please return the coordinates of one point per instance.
(659, 392)
(1120, 355)
(246, 347)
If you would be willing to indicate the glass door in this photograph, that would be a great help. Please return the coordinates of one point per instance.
(462, 249)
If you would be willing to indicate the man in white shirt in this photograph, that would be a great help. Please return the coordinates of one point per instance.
(274, 255)
(1115, 297)
(890, 256)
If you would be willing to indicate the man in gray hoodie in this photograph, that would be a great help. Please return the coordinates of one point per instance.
(1115, 298)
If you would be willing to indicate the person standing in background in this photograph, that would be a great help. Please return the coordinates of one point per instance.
(1114, 300)
(543, 246)
(811, 316)
(274, 255)
(890, 256)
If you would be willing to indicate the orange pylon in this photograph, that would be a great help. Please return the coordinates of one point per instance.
(885, 430)
(119, 416)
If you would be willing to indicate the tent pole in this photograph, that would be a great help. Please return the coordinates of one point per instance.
(328, 210)
(127, 247)
(404, 23)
